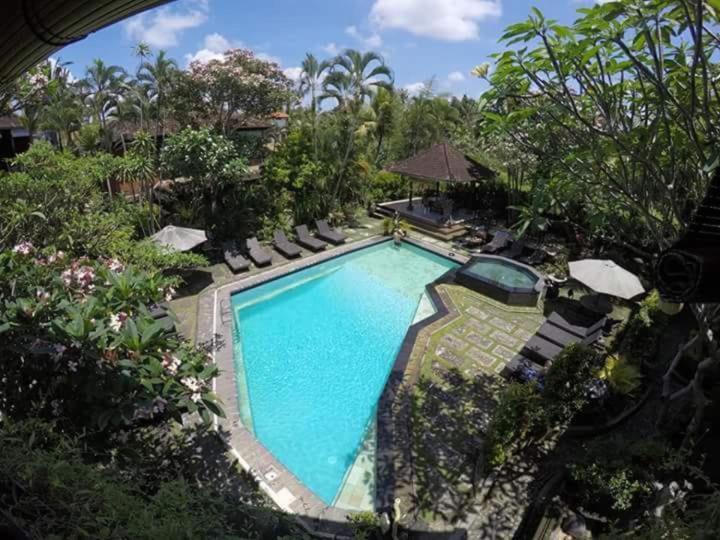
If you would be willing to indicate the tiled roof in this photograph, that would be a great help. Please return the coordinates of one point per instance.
(9, 122)
(442, 163)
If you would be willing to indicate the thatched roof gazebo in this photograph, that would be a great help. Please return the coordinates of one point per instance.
(441, 163)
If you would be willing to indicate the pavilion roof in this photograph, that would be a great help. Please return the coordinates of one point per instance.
(442, 163)
(31, 30)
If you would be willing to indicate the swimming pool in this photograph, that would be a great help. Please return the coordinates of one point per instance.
(313, 351)
(503, 279)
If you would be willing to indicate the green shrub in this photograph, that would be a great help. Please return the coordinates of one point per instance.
(386, 186)
(616, 475)
(58, 495)
(640, 338)
(621, 376)
(518, 418)
(78, 342)
(365, 525)
(621, 486)
(567, 379)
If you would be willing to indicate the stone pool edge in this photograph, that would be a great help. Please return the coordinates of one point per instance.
(393, 411)
(215, 331)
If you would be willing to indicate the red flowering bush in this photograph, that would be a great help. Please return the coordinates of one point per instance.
(78, 342)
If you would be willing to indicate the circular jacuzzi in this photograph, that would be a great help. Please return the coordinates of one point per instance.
(502, 279)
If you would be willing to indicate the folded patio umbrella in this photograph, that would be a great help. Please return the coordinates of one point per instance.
(179, 238)
(606, 277)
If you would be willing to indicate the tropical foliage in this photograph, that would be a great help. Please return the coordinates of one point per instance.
(618, 109)
(605, 129)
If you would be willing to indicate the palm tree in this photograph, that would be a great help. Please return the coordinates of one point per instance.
(354, 66)
(310, 83)
(352, 78)
(311, 78)
(384, 111)
(142, 51)
(30, 119)
(159, 76)
(62, 114)
(103, 85)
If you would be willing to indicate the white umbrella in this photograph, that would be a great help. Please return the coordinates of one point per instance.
(179, 238)
(606, 277)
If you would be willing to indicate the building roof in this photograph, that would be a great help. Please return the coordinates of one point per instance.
(9, 122)
(279, 116)
(687, 272)
(31, 30)
(442, 163)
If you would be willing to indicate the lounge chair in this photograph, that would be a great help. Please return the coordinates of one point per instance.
(540, 349)
(285, 246)
(324, 232)
(515, 250)
(305, 240)
(499, 241)
(587, 332)
(234, 259)
(259, 255)
(556, 333)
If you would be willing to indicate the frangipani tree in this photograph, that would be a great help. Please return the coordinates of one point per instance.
(627, 97)
(238, 87)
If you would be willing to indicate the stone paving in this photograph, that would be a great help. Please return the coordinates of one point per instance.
(483, 337)
(441, 411)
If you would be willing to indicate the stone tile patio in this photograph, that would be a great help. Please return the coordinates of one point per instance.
(484, 336)
(442, 409)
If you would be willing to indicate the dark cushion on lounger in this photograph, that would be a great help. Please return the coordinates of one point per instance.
(304, 239)
(285, 246)
(233, 257)
(326, 233)
(259, 255)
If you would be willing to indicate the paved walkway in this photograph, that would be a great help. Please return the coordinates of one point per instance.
(442, 409)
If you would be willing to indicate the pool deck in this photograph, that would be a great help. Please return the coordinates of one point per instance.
(470, 335)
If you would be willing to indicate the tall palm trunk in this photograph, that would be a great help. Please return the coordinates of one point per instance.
(346, 158)
(314, 119)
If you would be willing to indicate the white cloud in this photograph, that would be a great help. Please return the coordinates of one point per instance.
(163, 27)
(456, 76)
(415, 88)
(293, 73)
(214, 45)
(450, 20)
(268, 57)
(371, 41)
(331, 48)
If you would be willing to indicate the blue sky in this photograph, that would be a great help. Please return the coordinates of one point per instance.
(420, 39)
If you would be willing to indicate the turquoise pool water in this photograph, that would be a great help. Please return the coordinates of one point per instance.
(504, 273)
(317, 347)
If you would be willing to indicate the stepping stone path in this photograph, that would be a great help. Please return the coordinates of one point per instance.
(485, 337)
(480, 341)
